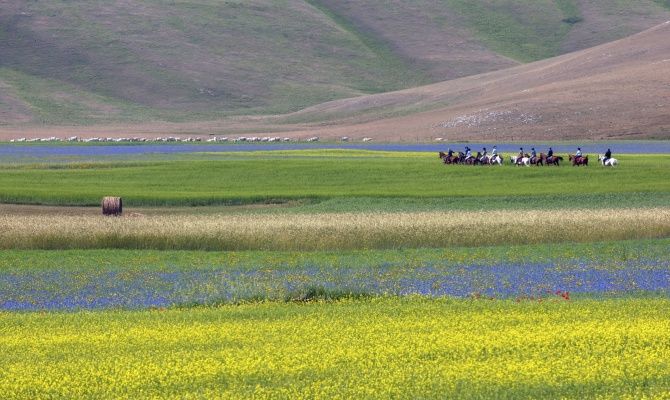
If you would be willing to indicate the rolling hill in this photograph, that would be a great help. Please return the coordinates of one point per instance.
(105, 63)
(616, 90)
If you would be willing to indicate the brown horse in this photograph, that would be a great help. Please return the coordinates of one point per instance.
(579, 160)
(553, 160)
(537, 161)
(448, 160)
(474, 160)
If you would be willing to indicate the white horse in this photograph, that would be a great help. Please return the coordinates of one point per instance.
(524, 160)
(611, 162)
(496, 160)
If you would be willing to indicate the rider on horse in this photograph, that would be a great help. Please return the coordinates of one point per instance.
(608, 155)
(520, 156)
(578, 154)
(483, 156)
(468, 153)
(494, 152)
(533, 154)
(550, 153)
(450, 153)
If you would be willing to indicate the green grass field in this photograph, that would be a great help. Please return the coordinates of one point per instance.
(154, 260)
(258, 177)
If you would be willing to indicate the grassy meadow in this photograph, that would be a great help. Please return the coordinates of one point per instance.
(333, 274)
(258, 177)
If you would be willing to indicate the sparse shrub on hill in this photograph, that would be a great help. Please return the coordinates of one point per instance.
(573, 20)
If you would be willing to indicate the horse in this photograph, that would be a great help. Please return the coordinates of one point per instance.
(474, 160)
(446, 159)
(611, 162)
(553, 160)
(496, 160)
(579, 160)
(525, 160)
(537, 161)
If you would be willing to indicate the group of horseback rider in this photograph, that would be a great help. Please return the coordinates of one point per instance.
(578, 157)
(484, 156)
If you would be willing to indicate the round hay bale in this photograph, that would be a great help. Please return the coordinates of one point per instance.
(112, 206)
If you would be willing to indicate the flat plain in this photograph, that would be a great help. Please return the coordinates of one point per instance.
(326, 273)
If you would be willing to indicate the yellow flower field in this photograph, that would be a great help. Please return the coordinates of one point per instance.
(375, 348)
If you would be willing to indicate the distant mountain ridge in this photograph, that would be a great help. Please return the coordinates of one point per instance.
(101, 62)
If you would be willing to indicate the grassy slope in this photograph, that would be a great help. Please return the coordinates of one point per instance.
(258, 177)
(196, 57)
(76, 62)
(403, 348)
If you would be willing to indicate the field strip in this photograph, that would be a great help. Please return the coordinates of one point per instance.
(377, 348)
(331, 231)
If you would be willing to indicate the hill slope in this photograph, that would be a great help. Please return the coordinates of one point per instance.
(79, 62)
(616, 89)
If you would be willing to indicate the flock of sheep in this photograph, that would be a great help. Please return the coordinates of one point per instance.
(174, 139)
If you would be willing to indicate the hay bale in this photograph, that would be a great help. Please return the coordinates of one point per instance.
(112, 206)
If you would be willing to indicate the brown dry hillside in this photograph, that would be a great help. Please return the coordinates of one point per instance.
(620, 89)
(102, 62)
(617, 90)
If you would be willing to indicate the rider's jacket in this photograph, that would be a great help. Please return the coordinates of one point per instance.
(468, 154)
(533, 153)
(494, 152)
(550, 153)
(578, 153)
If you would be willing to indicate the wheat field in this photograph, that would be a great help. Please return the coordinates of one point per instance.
(331, 231)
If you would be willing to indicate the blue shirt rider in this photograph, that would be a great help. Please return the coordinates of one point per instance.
(520, 156)
(533, 153)
(484, 153)
(550, 153)
(494, 152)
(468, 153)
(608, 155)
(579, 152)
(450, 153)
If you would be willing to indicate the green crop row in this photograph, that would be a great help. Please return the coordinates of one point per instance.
(609, 254)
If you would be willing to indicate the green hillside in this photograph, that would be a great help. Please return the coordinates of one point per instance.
(79, 62)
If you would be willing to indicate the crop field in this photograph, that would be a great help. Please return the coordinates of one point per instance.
(376, 348)
(332, 231)
(257, 177)
(333, 274)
